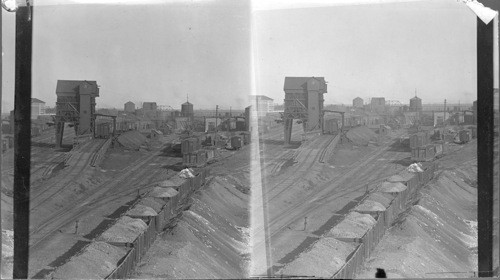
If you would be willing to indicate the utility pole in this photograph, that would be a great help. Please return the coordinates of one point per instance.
(22, 136)
(444, 114)
(216, 117)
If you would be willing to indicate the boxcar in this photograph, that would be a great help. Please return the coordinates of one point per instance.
(464, 136)
(102, 130)
(236, 142)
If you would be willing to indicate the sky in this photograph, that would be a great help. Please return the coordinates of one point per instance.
(219, 52)
(141, 53)
(385, 50)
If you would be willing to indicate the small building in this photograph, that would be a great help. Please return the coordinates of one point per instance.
(357, 102)
(129, 107)
(149, 106)
(384, 129)
(37, 108)
(182, 123)
(377, 104)
(440, 117)
(415, 104)
(212, 123)
(155, 134)
(263, 104)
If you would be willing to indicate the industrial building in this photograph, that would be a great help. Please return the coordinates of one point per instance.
(129, 107)
(377, 104)
(303, 100)
(149, 106)
(415, 104)
(75, 104)
(263, 104)
(441, 117)
(37, 108)
(357, 102)
(212, 123)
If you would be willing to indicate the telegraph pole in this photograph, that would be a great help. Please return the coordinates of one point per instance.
(444, 114)
(22, 137)
(216, 116)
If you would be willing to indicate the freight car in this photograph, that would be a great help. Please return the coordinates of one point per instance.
(423, 153)
(331, 126)
(236, 142)
(102, 130)
(464, 136)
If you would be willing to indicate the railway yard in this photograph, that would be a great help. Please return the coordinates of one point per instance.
(311, 185)
(249, 140)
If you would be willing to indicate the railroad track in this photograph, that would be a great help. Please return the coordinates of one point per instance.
(78, 162)
(99, 152)
(329, 192)
(305, 162)
(276, 136)
(110, 190)
(326, 148)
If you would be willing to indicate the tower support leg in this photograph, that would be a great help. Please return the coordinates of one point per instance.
(59, 133)
(288, 130)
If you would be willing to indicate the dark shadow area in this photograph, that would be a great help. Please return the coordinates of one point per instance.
(64, 148)
(292, 145)
(171, 151)
(80, 245)
(175, 167)
(403, 162)
(58, 168)
(399, 147)
(42, 144)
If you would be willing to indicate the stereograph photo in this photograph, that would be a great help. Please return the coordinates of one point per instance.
(236, 139)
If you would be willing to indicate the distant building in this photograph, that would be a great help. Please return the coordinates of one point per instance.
(263, 104)
(357, 102)
(129, 107)
(212, 123)
(37, 108)
(187, 110)
(415, 104)
(149, 106)
(440, 117)
(377, 104)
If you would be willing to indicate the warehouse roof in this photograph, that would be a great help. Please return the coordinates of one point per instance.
(36, 100)
(262, 97)
(301, 82)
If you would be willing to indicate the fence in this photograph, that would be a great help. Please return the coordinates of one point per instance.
(156, 224)
(384, 220)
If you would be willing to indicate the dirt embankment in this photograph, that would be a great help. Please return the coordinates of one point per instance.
(437, 237)
(210, 240)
